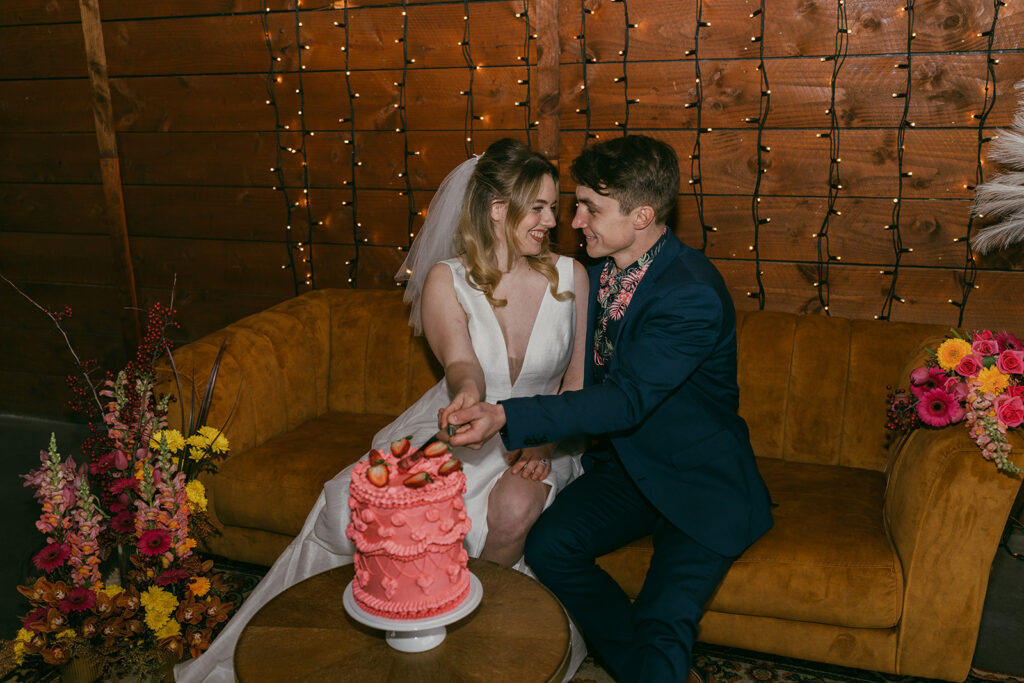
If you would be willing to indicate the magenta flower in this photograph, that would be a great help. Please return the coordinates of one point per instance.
(170, 576)
(938, 409)
(122, 522)
(78, 599)
(154, 542)
(119, 486)
(924, 379)
(955, 388)
(1010, 410)
(1011, 362)
(37, 617)
(51, 557)
(985, 347)
(1008, 340)
(970, 365)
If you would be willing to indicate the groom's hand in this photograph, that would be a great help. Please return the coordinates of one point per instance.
(476, 424)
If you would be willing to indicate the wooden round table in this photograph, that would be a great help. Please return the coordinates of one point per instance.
(519, 632)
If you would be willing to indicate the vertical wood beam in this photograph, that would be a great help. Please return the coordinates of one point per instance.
(548, 78)
(110, 173)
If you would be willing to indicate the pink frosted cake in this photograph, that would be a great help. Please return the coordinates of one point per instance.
(407, 523)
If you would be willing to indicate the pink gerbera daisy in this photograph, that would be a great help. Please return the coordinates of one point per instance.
(170, 576)
(154, 542)
(78, 599)
(51, 557)
(938, 409)
(122, 522)
(1008, 340)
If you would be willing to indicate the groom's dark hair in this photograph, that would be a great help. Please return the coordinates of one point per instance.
(635, 170)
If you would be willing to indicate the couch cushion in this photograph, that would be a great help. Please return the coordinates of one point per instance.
(274, 486)
(828, 559)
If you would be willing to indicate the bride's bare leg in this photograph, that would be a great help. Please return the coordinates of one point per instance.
(513, 505)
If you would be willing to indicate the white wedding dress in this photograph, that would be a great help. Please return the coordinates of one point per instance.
(322, 543)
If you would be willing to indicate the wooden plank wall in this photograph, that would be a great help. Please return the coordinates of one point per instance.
(266, 148)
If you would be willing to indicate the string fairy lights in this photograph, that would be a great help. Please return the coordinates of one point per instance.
(353, 262)
(584, 60)
(624, 78)
(835, 183)
(299, 250)
(970, 270)
(467, 56)
(893, 227)
(696, 185)
(526, 102)
(403, 125)
(764, 106)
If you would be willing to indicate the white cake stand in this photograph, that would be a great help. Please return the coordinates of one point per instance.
(414, 635)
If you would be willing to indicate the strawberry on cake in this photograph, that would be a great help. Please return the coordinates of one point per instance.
(407, 524)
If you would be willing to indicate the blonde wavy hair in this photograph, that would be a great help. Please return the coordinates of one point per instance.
(508, 172)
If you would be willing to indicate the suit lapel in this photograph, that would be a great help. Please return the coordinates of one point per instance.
(648, 285)
(594, 272)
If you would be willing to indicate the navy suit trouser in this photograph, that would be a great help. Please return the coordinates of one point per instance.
(651, 639)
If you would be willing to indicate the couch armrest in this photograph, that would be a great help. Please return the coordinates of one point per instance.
(945, 508)
(272, 377)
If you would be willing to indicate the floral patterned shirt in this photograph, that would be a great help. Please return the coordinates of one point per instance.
(615, 291)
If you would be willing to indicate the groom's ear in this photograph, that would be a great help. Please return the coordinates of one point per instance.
(642, 217)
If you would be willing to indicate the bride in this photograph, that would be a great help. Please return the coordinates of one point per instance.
(505, 317)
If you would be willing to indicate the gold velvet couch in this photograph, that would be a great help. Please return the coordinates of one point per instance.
(879, 557)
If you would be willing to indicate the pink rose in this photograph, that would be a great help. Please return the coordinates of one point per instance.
(924, 379)
(1011, 362)
(1014, 390)
(982, 334)
(969, 366)
(956, 389)
(1010, 410)
(985, 347)
(919, 376)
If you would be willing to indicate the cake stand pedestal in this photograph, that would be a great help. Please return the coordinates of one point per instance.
(414, 635)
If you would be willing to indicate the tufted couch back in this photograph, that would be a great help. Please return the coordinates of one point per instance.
(812, 388)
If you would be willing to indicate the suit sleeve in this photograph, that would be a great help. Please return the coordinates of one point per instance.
(676, 332)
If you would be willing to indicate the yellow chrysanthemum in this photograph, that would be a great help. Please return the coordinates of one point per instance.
(199, 440)
(170, 628)
(196, 493)
(112, 591)
(158, 600)
(155, 620)
(24, 635)
(951, 351)
(218, 442)
(19, 653)
(199, 585)
(993, 381)
(175, 441)
(66, 634)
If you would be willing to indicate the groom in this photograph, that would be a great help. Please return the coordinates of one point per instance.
(672, 457)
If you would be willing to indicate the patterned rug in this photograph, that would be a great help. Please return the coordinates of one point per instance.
(718, 664)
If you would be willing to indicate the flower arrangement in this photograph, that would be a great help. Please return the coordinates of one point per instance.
(977, 380)
(119, 583)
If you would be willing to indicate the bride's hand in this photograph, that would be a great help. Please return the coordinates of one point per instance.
(462, 400)
(532, 463)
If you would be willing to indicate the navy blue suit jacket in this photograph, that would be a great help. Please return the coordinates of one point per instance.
(668, 403)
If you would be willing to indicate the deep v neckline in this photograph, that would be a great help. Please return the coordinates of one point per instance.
(529, 340)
